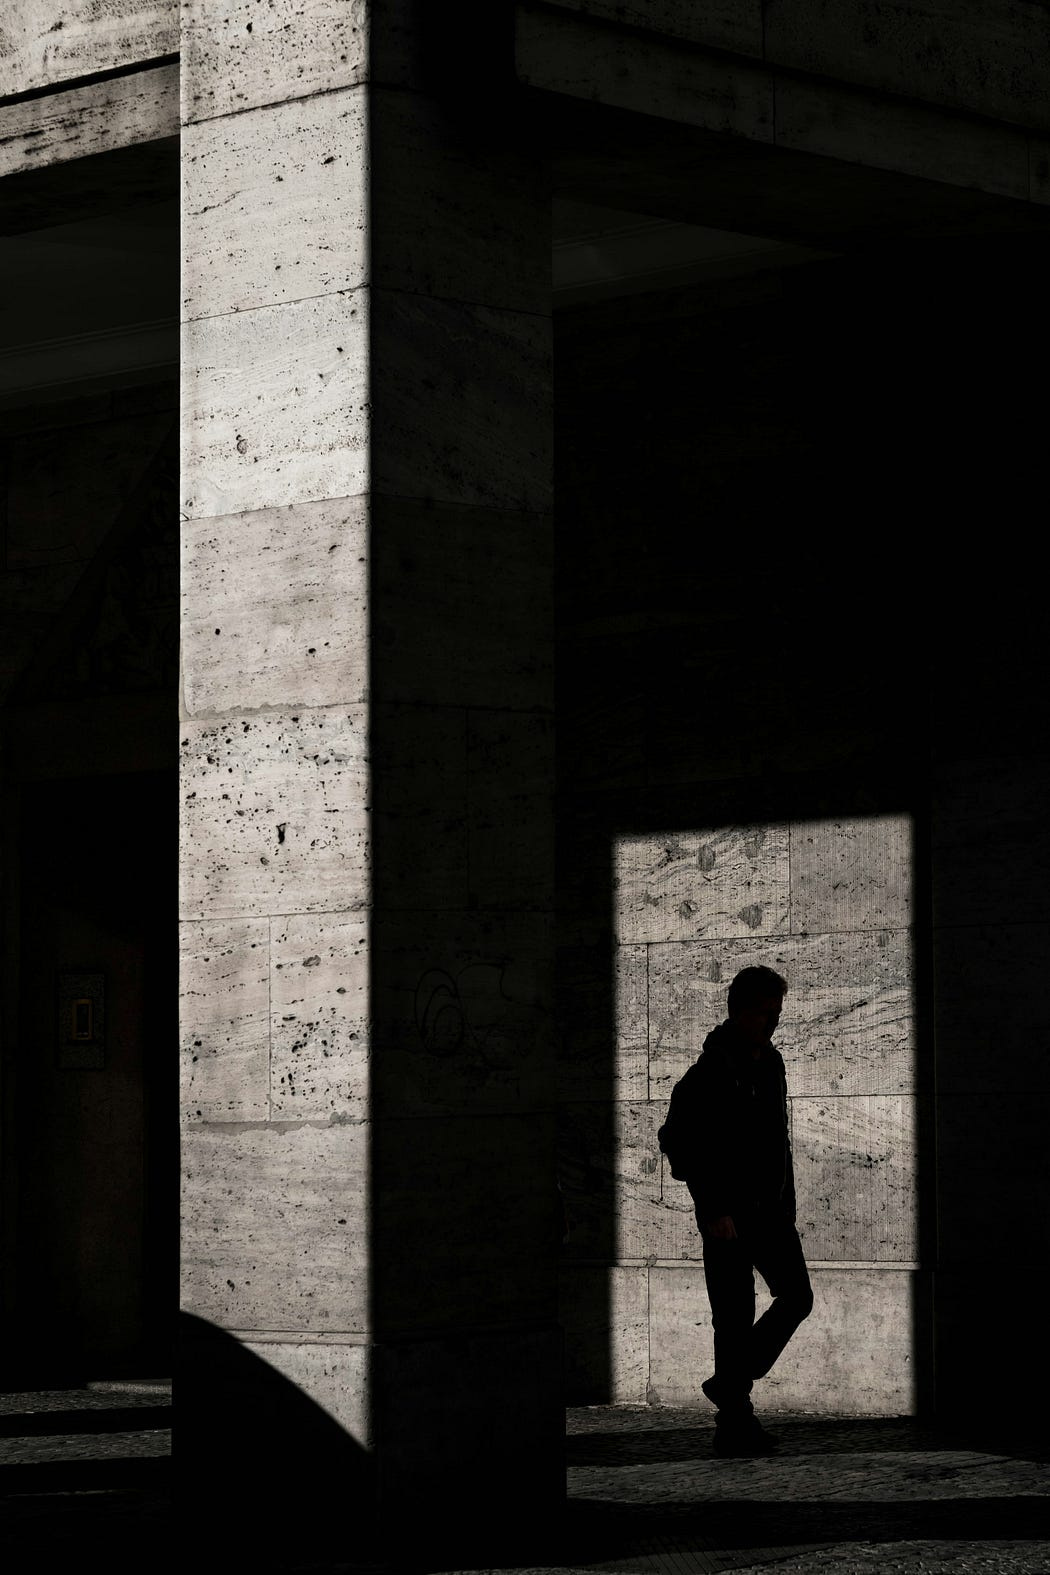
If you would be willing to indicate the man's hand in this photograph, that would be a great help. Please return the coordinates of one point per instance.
(722, 1229)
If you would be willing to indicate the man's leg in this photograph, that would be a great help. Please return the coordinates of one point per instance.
(731, 1291)
(778, 1258)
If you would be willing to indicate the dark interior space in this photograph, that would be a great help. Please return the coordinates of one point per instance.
(89, 582)
(791, 535)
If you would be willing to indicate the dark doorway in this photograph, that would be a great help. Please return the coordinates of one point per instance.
(93, 1069)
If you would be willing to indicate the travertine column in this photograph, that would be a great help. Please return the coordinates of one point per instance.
(366, 889)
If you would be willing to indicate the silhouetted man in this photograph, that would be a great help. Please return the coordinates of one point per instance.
(727, 1137)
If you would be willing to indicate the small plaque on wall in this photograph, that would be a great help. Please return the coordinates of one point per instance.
(81, 1020)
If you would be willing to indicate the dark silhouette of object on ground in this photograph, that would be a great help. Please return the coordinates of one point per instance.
(727, 1137)
(263, 1477)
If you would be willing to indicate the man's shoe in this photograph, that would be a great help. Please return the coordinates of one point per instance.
(738, 1441)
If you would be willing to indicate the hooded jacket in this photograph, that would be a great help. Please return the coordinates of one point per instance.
(727, 1130)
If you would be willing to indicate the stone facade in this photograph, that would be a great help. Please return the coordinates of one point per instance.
(828, 905)
(543, 662)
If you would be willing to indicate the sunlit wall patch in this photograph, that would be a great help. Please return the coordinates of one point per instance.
(828, 904)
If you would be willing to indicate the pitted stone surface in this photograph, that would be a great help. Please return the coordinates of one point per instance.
(91, 36)
(253, 186)
(239, 56)
(224, 1018)
(274, 809)
(319, 1016)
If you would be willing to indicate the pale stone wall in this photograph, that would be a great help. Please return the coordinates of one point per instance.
(43, 45)
(275, 777)
(828, 905)
(368, 744)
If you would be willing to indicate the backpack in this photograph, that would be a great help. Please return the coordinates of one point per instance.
(677, 1136)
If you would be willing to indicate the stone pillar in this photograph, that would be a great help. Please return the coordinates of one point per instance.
(368, 1194)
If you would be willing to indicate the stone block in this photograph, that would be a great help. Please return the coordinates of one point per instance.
(993, 1178)
(236, 57)
(461, 399)
(720, 24)
(224, 1020)
(483, 208)
(319, 1017)
(274, 1227)
(690, 885)
(274, 814)
(461, 1011)
(464, 1222)
(333, 1376)
(601, 1017)
(462, 605)
(287, 591)
(992, 1013)
(989, 841)
(893, 134)
(510, 809)
(275, 405)
(856, 1177)
(983, 59)
(95, 118)
(851, 875)
(852, 1357)
(274, 205)
(609, 1173)
(92, 36)
(650, 75)
(605, 1315)
(420, 806)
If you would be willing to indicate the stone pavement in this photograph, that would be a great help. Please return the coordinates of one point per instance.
(85, 1477)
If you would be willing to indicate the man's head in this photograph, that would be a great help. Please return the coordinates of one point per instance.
(756, 996)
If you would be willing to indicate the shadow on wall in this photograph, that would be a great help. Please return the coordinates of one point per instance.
(263, 1476)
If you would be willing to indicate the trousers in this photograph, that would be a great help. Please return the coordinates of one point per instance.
(746, 1350)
